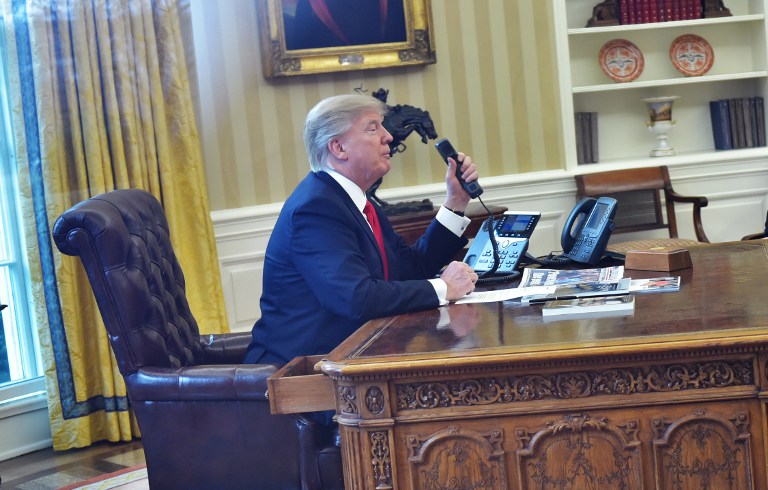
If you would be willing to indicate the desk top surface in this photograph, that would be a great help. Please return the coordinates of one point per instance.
(721, 302)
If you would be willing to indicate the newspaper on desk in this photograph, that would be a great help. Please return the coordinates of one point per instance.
(554, 277)
(504, 294)
(544, 281)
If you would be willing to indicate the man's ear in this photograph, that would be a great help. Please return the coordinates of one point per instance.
(337, 149)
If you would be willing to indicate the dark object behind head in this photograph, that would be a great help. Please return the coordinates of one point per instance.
(401, 121)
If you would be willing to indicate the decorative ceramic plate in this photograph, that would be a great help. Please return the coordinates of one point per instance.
(691, 54)
(621, 60)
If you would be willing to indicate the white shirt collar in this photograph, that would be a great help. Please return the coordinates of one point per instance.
(355, 193)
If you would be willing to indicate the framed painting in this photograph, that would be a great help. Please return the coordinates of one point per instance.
(302, 37)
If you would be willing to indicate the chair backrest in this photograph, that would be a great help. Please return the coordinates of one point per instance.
(640, 194)
(123, 241)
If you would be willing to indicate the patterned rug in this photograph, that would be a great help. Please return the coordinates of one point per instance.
(133, 478)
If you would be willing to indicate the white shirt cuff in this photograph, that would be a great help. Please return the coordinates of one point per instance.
(457, 224)
(441, 289)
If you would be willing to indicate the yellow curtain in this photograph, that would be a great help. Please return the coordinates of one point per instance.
(100, 99)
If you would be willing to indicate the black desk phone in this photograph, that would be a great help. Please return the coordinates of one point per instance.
(512, 232)
(498, 251)
(588, 229)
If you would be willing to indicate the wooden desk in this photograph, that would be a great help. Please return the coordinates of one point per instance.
(672, 397)
(412, 225)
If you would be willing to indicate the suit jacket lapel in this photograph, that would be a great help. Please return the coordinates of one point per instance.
(350, 205)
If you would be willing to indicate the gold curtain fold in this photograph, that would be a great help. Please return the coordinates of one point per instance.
(100, 100)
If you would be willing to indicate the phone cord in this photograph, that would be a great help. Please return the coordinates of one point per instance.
(488, 225)
(550, 260)
(487, 276)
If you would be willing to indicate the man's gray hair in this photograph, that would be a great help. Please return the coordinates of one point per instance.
(331, 118)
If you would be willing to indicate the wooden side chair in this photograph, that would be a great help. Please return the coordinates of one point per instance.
(644, 196)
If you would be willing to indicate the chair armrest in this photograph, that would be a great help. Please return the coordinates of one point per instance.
(225, 348)
(698, 203)
(243, 382)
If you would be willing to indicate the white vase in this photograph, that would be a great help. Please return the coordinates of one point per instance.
(660, 122)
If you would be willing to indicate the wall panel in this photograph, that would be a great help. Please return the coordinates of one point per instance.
(492, 91)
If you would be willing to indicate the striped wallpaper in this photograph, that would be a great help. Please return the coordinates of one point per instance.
(493, 92)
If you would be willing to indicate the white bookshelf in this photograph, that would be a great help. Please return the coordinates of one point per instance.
(740, 69)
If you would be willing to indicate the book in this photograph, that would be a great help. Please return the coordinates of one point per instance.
(645, 11)
(760, 120)
(655, 285)
(581, 290)
(676, 10)
(624, 12)
(668, 8)
(738, 115)
(721, 124)
(691, 12)
(654, 9)
(732, 117)
(588, 133)
(593, 307)
(586, 129)
(555, 277)
(594, 153)
(748, 143)
(753, 120)
(580, 140)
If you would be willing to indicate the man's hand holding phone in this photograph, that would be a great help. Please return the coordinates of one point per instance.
(464, 171)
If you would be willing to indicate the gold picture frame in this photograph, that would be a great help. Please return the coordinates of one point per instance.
(288, 50)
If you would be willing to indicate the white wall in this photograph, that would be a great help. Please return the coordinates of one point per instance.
(736, 190)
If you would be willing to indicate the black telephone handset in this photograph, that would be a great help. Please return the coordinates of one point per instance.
(511, 232)
(446, 150)
(588, 229)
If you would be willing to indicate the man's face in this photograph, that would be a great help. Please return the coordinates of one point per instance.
(366, 147)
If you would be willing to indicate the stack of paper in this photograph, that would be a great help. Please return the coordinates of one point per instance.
(591, 307)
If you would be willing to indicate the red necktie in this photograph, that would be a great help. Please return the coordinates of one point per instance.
(373, 220)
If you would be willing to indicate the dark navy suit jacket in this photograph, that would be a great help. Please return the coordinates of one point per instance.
(323, 275)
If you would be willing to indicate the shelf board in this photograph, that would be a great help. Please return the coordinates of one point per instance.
(670, 82)
(666, 25)
(682, 158)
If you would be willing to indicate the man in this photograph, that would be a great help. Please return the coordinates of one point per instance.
(324, 273)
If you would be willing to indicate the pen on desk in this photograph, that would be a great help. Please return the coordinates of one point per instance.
(572, 296)
(550, 298)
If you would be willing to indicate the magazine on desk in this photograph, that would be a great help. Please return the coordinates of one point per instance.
(592, 307)
(581, 290)
(556, 277)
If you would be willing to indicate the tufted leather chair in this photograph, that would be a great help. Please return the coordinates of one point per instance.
(204, 417)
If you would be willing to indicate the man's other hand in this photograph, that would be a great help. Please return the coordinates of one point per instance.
(460, 279)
